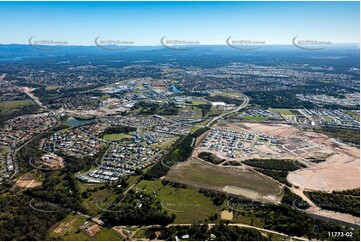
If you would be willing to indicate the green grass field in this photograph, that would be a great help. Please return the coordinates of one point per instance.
(255, 118)
(186, 203)
(199, 102)
(113, 137)
(281, 111)
(52, 87)
(203, 175)
(7, 107)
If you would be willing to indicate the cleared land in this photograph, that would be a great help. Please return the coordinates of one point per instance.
(340, 169)
(28, 180)
(70, 229)
(199, 174)
(227, 215)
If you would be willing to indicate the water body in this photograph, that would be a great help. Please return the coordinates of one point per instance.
(73, 122)
(175, 89)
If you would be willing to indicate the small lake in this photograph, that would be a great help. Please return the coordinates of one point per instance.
(175, 89)
(79, 122)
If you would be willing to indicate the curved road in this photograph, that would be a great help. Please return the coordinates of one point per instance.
(231, 224)
(243, 105)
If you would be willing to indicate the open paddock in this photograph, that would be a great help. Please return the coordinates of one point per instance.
(199, 174)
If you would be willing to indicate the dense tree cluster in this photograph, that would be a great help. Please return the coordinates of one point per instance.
(30, 152)
(179, 152)
(285, 218)
(118, 130)
(280, 176)
(138, 208)
(225, 99)
(220, 232)
(344, 202)
(18, 221)
(151, 108)
(292, 199)
(278, 99)
(205, 108)
(346, 135)
(274, 164)
(207, 156)
(217, 198)
(277, 169)
(59, 188)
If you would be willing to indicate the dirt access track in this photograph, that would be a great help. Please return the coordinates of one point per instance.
(340, 170)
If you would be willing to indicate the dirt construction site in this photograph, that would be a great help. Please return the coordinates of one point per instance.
(331, 165)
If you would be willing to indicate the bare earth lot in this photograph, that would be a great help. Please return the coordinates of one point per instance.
(27, 181)
(340, 170)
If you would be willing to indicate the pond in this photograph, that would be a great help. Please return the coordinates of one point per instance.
(175, 89)
(73, 122)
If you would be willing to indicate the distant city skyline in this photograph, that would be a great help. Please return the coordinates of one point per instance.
(209, 23)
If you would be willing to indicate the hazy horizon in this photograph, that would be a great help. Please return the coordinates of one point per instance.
(209, 23)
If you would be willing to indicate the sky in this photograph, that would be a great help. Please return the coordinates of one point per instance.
(145, 23)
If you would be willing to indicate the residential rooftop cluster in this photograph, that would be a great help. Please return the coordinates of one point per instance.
(234, 144)
(331, 117)
(15, 133)
(73, 142)
(157, 123)
(352, 99)
(124, 158)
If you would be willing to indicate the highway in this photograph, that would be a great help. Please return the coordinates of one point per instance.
(243, 105)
